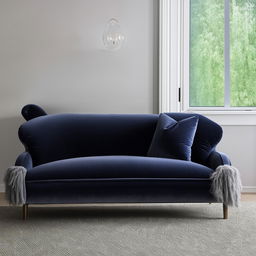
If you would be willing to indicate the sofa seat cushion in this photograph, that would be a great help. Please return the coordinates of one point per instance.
(119, 191)
(118, 167)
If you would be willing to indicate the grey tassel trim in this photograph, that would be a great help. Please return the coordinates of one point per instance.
(226, 185)
(15, 188)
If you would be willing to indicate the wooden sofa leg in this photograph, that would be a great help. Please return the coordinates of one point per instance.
(25, 211)
(225, 211)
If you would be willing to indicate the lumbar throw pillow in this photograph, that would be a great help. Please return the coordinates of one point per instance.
(173, 139)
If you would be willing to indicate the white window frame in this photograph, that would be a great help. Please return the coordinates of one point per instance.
(174, 67)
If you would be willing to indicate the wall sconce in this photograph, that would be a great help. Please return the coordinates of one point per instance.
(113, 38)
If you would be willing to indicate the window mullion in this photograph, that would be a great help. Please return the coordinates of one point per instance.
(227, 53)
(184, 56)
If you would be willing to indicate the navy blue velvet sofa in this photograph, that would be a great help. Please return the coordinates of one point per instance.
(102, 158)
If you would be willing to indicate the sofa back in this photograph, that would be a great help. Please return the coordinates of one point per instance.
(54, 137)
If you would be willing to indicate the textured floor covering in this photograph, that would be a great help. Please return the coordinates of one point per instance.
(176, 230)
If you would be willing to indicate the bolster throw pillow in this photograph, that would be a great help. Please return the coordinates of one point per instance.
(173, 139)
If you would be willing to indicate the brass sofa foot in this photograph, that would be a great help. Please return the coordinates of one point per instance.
(25, 211)
(225, 211)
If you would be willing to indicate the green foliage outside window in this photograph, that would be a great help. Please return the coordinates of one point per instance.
(207, 53)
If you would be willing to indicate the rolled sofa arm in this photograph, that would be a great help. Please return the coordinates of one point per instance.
(216, 159)
(31, 111)
(25, 160)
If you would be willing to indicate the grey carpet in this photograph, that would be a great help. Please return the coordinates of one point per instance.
(176, 230)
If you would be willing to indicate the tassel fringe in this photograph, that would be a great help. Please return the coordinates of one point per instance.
(226, 185)
(15, 188)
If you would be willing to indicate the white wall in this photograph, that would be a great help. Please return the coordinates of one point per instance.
(51, 54)
(239, 143)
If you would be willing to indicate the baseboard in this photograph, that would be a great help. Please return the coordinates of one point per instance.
(249, 189)
(2, 187)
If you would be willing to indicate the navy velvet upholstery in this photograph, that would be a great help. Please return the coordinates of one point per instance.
(119, 191)
(25, 160)
(208, 135)
(90, 158)
(118, 179)
(31, 111)
(173, 139)
(216, 159)
(115, 167)
(54, 137)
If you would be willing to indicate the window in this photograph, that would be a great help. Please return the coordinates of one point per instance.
(208, 56)
(222, 53)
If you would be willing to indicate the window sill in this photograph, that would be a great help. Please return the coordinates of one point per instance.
(229, 117)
